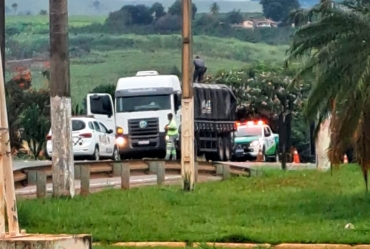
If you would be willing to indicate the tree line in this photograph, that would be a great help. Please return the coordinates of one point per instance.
(155, 19)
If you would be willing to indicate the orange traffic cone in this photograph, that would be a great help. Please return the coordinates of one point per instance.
(259, 156)
(345, 159)
(296, 157)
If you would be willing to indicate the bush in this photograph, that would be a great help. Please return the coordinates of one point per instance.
(36, 126)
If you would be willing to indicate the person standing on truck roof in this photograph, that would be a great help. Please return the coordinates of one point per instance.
(172, 133)
(200, 69)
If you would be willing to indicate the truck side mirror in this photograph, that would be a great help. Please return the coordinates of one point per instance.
(177, 101)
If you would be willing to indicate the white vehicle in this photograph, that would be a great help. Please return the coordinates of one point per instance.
(251, 138)
(142, 103)
(91, 139)
(139, 116)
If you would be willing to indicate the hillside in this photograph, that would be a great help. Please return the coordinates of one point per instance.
(86, 7)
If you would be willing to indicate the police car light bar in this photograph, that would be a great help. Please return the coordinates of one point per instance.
(250, 123)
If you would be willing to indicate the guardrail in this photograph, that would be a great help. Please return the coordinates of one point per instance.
(85, 171)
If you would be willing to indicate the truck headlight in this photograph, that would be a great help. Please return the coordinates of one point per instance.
(255, 143)
(120, 141)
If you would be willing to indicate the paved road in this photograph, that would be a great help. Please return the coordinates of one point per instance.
(102, 183)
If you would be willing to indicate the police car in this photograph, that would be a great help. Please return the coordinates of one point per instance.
(91, 140)
(252, 137)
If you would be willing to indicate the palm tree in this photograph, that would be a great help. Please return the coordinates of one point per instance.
(215, 9)
(336, 48)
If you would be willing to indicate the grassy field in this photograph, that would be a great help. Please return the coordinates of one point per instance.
(301, 206)
(112, 57)
(103, 58)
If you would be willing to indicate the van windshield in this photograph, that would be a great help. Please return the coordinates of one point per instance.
(143, 103)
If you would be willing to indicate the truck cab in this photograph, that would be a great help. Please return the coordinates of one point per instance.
(138, 112)
(252, 138)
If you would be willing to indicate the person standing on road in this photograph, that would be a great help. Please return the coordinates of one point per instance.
(172, 133)
(199, 70)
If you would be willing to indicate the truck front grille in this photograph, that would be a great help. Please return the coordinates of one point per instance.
(137, 128)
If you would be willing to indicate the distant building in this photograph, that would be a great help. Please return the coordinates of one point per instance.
(256, 23)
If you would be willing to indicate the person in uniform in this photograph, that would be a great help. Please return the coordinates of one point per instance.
(171, 135)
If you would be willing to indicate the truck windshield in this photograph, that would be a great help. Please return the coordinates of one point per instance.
(143, 103)
(248, 131)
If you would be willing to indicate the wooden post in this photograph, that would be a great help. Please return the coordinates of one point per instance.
(125, 176)
(2, 182)
(41, 179)
(161, 172)
(6, 163)
(187, 123)
(60, 100)
(85, 180)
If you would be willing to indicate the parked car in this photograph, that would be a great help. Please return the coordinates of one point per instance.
(91, 140)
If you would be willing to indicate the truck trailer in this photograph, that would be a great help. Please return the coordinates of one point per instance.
(139, 115)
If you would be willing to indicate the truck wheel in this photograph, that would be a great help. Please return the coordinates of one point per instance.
(227, 148)
(220, 149)
(208, 156)
(276, 156)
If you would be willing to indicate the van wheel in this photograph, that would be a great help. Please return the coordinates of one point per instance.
(227, 148)
(96, 155)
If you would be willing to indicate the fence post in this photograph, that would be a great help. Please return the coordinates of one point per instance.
(85, 180)
(77, 171)
(161, 172)
(219, 169)
(153, 167)
(117, 169)
(125, 176)
(41, 184)
(31, 177)
(226, 172)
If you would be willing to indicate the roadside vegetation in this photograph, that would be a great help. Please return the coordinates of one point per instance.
(293, 206)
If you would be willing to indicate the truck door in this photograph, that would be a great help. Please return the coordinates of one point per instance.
(101, 106)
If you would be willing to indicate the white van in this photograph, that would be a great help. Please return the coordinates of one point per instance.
(139, 114)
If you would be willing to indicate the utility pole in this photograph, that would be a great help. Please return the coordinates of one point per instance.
(187, 122)
(2, 35)
(7, 189)
(60, 100)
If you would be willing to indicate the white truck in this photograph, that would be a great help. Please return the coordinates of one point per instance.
(255, 137)
(142, 103)
(139, 115)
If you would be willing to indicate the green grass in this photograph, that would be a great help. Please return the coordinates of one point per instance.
(35, 24)
(113, 57)
(300, 206)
